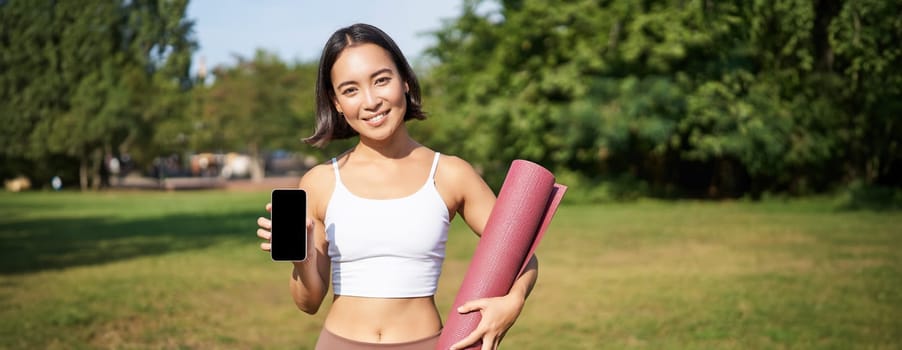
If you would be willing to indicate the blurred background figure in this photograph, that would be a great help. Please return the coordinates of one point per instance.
(115, 169)
(17, 184)
(56, 183)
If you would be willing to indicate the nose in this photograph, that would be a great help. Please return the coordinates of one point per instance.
(371, 101)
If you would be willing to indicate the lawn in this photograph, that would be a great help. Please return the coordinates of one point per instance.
(183, 270)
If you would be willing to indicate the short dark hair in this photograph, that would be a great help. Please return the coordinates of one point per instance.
(331, 125)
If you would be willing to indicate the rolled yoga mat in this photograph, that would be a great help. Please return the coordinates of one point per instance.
(526, 203)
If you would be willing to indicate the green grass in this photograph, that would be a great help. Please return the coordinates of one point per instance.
(183, 270)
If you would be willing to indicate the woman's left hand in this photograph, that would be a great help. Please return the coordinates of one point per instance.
(498, 315)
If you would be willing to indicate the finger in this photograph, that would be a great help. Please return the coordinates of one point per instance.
(269, 207)
(264, 234)
(469, 340)
(488, 343)
(266, 246)
(264, 223)
(471, 306)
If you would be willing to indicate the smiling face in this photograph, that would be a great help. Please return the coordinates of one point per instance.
(369, 91)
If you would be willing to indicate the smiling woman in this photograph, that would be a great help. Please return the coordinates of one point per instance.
(378, 214)
(371, 92)
(372, 59)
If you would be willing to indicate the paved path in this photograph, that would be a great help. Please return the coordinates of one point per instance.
(207, 183)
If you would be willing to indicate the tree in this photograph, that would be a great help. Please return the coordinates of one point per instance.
(864, 52)
(700, 98)
(255, 105)
(84, 77)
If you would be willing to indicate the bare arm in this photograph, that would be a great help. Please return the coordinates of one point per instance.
(475, 202)
(523, 285)
(309, 280)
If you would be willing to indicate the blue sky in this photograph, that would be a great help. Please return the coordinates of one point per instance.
(297, 29)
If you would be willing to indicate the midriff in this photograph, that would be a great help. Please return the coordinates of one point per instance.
(383, 320)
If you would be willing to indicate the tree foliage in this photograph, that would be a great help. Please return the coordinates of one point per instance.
(663, 97)
(84, 79)
(707, 98)
(255, 105)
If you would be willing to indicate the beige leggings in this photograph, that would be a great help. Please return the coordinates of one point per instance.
(329, 341)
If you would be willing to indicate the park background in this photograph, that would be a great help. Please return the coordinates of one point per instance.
(734, 171)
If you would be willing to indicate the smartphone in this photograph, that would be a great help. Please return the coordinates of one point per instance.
(289, 225)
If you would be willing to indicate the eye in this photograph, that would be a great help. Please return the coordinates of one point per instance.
(382, 81)
(349, 91)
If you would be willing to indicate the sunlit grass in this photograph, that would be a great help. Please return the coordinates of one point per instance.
(183, 270)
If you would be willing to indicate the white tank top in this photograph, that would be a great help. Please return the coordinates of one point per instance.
(386, 248)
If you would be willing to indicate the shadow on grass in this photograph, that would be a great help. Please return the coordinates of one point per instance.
(52, 243)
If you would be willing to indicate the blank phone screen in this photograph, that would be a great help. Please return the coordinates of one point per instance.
(289, 229)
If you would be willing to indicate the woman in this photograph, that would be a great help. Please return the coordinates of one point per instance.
(378, 214)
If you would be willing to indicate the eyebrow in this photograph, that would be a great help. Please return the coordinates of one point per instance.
(376, 73)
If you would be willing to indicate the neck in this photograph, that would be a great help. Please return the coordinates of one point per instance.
(397, 146)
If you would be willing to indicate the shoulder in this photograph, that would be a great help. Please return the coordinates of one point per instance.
(458, 177)
(317, 176)
(454, 168)
(465, 191)
(319, 183)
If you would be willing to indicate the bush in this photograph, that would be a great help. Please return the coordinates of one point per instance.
(583, 190)
(861, 196)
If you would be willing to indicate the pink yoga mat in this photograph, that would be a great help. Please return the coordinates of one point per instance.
(524, 208)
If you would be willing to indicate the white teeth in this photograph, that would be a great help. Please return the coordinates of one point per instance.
(377, 118)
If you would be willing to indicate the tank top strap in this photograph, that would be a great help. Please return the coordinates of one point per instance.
(335, 168)
(434, 166)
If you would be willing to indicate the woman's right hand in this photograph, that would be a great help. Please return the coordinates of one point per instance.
(265, 232)
(265, 229)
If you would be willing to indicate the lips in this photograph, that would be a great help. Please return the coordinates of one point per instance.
(377, 119)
